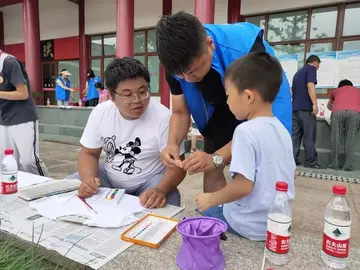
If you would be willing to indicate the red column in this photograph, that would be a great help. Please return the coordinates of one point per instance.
(164, 87)
(234, 7)
(32, 45)
(124, 28)
(84, 46)
(2, 39)
(205, 10)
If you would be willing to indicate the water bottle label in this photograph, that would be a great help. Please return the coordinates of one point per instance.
(9, 184)
(278, 236)
(336, 240)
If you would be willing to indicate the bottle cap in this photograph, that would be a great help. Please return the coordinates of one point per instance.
(281, 186)
(339, 190)
(9, 152)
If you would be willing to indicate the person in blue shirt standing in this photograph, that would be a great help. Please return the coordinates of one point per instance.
(195, 57)
(90, 91)
(305, 109)
(63, 88)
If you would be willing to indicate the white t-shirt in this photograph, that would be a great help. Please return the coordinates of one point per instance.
(262, 152)
(132, 147)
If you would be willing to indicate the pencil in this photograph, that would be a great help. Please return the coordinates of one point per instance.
(88, 205)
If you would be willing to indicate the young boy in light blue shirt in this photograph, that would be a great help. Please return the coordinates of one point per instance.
(262, 152)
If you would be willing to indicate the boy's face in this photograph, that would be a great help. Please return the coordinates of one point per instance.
(239, 102)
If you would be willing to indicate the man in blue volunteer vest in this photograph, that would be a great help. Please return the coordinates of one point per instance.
(195, 57)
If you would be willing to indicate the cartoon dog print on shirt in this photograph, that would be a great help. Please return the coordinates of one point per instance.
(128, 152)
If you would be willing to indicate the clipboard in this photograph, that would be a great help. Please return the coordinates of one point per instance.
(150, 231)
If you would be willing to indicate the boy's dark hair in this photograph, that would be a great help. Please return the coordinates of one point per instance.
(259, 71)
(180, 38)
(345, 83)
(313, 58)
(123, 69)
(99, 85)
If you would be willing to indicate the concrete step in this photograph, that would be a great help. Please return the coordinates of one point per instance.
(324, 158)
(60, 139)
(64, 130)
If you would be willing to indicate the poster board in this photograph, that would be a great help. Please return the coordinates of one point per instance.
(348, 67)
(289, 64)
(327, 71)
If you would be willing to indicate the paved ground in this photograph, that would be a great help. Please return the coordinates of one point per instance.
(308, 208)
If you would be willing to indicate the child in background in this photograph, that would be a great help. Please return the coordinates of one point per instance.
(262, 152)
(103, 93)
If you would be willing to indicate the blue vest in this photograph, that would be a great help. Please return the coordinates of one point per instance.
(61, 93)
(233, 41)
(92, 92)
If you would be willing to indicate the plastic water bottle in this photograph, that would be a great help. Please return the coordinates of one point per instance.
(336, 239)
(80, 102)
(279, 227)
(9, 177)
(48, 102)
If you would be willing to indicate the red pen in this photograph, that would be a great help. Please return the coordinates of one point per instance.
(88, 205)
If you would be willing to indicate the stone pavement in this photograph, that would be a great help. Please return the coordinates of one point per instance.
(308, 209)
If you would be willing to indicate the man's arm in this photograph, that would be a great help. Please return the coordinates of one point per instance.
(21, 93)
(225, 152)
(88, 162)
(58, 82)
(311, 82)
(14, 73)
(179, 121)
(312, 92)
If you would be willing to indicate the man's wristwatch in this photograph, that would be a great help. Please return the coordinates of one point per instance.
(218, 160)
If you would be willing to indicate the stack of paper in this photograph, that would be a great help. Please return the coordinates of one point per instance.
(109, 214)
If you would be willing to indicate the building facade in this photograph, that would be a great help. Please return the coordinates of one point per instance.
(49, 35)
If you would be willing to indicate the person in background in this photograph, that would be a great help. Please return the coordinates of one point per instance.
(261, 149)
(91, 93)
(305, 109)
(18, 117)
(103, 93)
(195, 133)
(344, 104)
(63, 88)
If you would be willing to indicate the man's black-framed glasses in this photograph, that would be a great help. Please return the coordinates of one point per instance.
(135, 97)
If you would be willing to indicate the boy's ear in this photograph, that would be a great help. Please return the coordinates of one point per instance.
(250, 96)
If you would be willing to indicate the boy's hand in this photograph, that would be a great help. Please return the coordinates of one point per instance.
(204, 201)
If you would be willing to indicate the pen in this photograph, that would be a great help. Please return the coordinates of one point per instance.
(88, 205)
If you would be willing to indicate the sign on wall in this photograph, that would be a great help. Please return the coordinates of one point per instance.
(348, 67)
(47, 50)
(289, 64)
(327, 71)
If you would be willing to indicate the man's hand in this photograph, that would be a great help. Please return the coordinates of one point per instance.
(198, 162)
(89, 187)
(153, 198)
(204, 201)
(170, 156)
(315, 109)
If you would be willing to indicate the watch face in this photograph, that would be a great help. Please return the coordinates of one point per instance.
(218, 159)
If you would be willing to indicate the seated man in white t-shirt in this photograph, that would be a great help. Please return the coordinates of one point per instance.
(132, 130)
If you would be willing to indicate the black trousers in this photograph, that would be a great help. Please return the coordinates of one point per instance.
(304, 129)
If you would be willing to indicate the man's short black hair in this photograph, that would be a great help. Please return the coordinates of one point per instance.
(123, 69)
(180, 38)
(345, 83)
(313, 58)
(99, 85)
(259, 71)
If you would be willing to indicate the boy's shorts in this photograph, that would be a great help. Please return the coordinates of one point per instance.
(217, 212)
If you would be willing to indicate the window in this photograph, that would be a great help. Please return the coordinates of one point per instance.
(110, 45)
(73, 67)
(312, 30)
(323, 22)
(257, 20)
(352, 20)
(103, 50)
(291, 49)
(96, 46)
(351, 45)
(287, 26)
(321, 47)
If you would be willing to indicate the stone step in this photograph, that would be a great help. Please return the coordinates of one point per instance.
(60, 139)
(63, 130)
